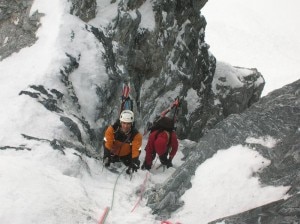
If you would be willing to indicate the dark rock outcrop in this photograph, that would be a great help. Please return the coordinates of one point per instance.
(17, 27)
(84, 9)
(238, 91)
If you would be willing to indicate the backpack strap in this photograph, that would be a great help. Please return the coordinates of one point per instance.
(116, 126)
(169, 137)
(134, 132)
(169, 134)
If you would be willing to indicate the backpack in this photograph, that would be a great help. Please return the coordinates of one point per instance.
(162, 124)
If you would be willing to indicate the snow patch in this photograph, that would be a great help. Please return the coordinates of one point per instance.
(266, 141)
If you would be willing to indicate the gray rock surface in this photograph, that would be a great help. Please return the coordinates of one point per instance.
(283, 211)
(84, 9)
(276, 115)
(17, 27)
(171, 60)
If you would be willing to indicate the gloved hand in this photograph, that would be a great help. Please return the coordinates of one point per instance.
(111, 158)
(134, 166)
(145, 166)
(107, 157)
(169, 163)
(164, 160)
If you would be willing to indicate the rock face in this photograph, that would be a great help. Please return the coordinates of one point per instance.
(284, 106)
(283, 211)
(172, 59)
(276, 115)
(17, 28)
(238, 94)
(84, 9)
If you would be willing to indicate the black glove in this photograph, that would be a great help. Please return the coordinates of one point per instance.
(107, 161)
(164, 160)
(106, 157)
(145, 166)
(110, 159)
(134, 166)
(169, 163)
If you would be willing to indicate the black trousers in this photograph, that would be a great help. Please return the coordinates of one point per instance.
(164, 158)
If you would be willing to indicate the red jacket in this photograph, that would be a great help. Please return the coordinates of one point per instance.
(159, 144)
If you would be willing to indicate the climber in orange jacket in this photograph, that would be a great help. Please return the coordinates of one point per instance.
(122, 142)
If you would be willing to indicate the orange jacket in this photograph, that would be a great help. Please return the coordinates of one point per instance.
(119, 144)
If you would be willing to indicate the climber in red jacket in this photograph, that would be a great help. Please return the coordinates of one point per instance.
(163, 142)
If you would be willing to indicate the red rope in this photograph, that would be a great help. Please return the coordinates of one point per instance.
(143, 187)
(126, 91)
(104, 215)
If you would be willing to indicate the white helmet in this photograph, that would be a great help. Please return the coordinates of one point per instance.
(127, 116)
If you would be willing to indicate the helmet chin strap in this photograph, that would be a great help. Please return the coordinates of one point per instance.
(126, 133)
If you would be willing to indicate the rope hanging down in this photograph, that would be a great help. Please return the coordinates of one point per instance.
(113, 196)
(104, 215)
(143, 187)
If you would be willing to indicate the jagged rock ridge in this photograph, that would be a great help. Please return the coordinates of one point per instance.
(276, 115)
